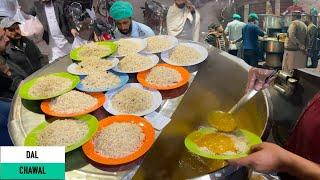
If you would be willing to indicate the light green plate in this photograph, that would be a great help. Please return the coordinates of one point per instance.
(93, 124)
(251, 138)
(111, 45)
(24, 89)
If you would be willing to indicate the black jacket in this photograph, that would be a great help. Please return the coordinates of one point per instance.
(9, 84)
(60, 12)
(26, 54)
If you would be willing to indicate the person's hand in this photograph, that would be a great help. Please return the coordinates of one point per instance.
(260, 78)
(5, 69)
(302, 47)
(74, 32)
(190, 6)
(264, 158)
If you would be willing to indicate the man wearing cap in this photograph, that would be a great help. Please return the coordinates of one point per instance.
(293, 8)
(234, 32)
(10, 77)
(295, 53)
(250, 34)
(22, 50)
(121, 12)
(183, 20)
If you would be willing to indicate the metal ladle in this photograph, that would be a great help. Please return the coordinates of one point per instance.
(225, 121)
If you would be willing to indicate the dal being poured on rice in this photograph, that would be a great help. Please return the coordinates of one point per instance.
(184, 55)
(221, 143)
(92, 65)
(63, 133)
(135, 62)
(48, 86)
(99, 80)
(119, 140)
(158, 43)
(93, 50)
(132, 100)
(163, 76)
(127, 46)
(72, 102)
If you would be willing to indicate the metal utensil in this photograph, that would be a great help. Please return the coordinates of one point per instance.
(243, 101)
(224, 121)
(248, 96)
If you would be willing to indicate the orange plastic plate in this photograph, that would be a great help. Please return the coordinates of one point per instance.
(45, 107)
(146, 127)
(184, 74)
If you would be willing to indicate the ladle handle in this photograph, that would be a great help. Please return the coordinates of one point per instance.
(243, 100)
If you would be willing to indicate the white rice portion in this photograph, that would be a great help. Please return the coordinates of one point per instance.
(184, 55)
(63, 133)
(99, 80)
(158, 43)
(92, 50)
(135, 62)
(48, 86)
(72, 102)
(127, 46)
(119, 140)
(93, 65)
(240, 143)
(163, 76)
(132, 100)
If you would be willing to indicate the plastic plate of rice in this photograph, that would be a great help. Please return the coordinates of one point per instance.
(132, 99)
(160, 43)
(102, 81)
(241, 140)
(127, 46)
(164, 77)
(72, 132)
(109, 63)
(120, 139)
(48, 86)
(73, 103)
(185, 54)
(96, 49)
(135, 63)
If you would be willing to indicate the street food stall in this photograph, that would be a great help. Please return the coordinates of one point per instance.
(216, 82)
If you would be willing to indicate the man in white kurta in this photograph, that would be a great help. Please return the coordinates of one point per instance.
(57, 42)
(183, 20)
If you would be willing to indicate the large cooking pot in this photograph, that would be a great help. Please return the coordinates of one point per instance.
(271, 21)
(273, 46)
(219, 84)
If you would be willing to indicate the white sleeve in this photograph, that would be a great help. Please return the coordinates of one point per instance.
(146, 29)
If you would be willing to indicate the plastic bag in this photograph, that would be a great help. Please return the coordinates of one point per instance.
(32, 28)
(78, 42)
(20, 16)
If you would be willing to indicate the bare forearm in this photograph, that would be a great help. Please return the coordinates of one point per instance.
(301, 168)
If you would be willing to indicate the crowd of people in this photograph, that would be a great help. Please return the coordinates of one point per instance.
(242, 40)
(20, 57)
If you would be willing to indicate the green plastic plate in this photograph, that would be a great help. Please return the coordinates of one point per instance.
(24, 89)
(111, 45)
(251, 138)
(93, 124)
